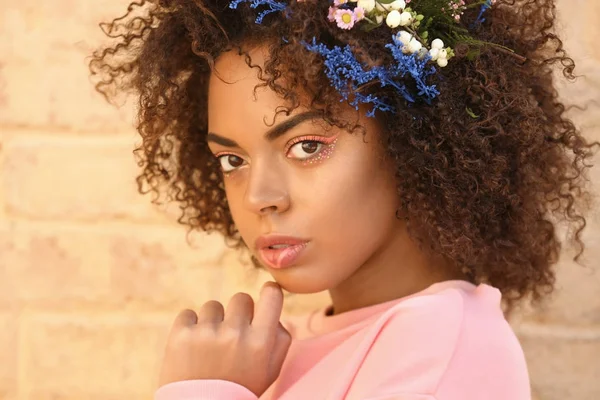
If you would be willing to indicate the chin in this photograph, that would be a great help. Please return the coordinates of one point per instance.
(301, 281)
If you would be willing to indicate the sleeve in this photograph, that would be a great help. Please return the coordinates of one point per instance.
(204, 389)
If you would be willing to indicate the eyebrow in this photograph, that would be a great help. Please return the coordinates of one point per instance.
(273, 133)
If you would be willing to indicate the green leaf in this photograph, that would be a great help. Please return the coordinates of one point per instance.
(428, 23)
(477, 4)
(370, 27)
(473, 54)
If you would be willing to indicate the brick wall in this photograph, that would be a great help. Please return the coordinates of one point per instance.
(91, 275)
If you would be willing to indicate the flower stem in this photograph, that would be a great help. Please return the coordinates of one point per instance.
(416, 35)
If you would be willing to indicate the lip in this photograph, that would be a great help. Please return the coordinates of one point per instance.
(283, 257)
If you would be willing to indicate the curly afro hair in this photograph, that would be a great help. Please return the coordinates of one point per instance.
(485, 189)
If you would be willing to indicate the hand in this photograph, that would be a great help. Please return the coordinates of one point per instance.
(241, 345)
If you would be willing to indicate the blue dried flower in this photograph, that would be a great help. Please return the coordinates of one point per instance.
(417, 68)
(484, 7)
(346, 74)
(274, 6)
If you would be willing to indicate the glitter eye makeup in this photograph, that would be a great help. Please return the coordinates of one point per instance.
(322, 155)
(324, 149)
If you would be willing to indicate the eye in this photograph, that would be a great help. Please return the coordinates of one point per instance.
(305, 149)
(230, 162)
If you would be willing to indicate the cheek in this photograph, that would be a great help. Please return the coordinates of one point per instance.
(235, 191)
(357, 203)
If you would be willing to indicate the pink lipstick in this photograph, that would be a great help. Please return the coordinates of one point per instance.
(280, 251)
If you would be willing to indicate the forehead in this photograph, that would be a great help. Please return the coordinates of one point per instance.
(237, 106)
(232, 100)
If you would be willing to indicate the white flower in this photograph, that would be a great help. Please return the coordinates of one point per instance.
(398, 5)
(393, 19)
(379, 18)
(405, 18)
(443, 53)
(442, 62)
(414, 45)
(368, 5)
(382, 7)
(404, 37)
(434, 53)
(437, 44)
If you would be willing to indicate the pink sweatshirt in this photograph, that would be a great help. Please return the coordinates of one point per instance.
(447, 342)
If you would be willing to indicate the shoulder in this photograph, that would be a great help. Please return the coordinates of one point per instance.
(431, 342)
(487, 353)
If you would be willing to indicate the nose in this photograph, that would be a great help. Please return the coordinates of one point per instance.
(267, 190)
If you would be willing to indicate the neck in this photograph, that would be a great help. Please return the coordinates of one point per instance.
(397, 270)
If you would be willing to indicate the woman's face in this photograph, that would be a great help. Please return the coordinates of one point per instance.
(312, 202)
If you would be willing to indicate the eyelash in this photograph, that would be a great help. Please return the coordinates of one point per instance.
(327, 143)
(310, 139)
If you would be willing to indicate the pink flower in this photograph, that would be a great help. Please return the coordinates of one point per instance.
(331, 15)
(345, 19)
(359, 13)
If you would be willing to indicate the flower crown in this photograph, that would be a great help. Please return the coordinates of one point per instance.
(422, 40)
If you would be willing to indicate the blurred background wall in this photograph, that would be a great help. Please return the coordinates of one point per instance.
(91, 275)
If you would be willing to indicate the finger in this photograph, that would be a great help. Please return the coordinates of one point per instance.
(269, 307)
(186, 318)
(282, 345)
(240, 310)
(211, 312)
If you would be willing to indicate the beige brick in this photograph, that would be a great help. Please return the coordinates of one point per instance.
(8, 288)
(76, 178)
(3, 140)
(9, 345)
(563, 363)
(63, 267)
(239, 275)
(3, 88)
(591, 24)
(98, 356)
(580, 41)
(582, 32)
(50, 266)
(575, 300)
(162, 270)
(45, 71)
(583, 92)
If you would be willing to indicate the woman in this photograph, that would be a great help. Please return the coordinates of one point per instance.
(410, 157)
